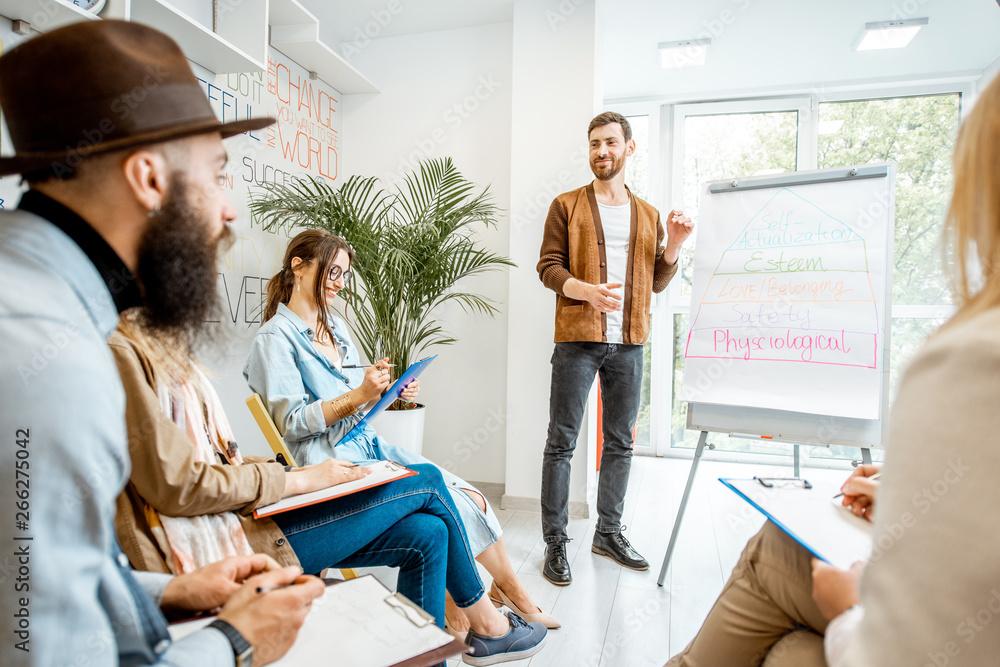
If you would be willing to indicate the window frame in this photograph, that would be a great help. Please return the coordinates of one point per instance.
(665, 163)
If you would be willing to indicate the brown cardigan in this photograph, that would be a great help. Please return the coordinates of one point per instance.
(573, 247)
(166, 475)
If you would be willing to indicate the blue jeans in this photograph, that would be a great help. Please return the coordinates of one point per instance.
(410, 523)
(482, 528)
(573, 368)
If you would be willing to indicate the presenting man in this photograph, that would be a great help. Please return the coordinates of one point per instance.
(107, 119)
(603, 255)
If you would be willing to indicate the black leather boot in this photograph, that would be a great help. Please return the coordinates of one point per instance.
(557, 564)
(617, 548)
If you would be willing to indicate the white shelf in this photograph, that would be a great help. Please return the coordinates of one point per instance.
(289, 12)
(295, 32)
(200, 44)
(240, 45)
(46, 15)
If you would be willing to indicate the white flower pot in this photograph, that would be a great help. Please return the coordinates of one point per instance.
(402, 428)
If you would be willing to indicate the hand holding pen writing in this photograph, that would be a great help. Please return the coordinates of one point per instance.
(376, 379)
(209, 587)
(271, 622)
(860, 490)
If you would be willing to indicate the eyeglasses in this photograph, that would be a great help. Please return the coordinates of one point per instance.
(336, 273)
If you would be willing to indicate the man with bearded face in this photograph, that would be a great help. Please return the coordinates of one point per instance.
(122, 210)
(178, 263)
(603, 254)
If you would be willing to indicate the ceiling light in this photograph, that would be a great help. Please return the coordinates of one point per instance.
(686, 53)
(889, 34)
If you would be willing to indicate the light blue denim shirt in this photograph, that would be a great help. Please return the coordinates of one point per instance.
(68, 593)
(294, 378)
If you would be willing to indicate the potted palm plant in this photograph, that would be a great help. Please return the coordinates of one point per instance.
(413, 245)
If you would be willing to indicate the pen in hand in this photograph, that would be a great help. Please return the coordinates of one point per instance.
(268, 589)
(872, 478)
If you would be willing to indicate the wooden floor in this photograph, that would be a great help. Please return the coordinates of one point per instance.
(615, 617)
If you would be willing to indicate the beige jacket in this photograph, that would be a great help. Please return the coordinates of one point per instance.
(166, 476)
(931, 591)
(573, 247)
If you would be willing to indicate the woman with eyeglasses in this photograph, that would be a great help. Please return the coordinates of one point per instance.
(306, 368)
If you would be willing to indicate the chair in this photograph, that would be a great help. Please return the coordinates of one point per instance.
(271, 434)
(280, 449)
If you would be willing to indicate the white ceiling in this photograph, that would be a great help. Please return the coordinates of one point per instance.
(340, 20)
(759, 44)
(786, 43)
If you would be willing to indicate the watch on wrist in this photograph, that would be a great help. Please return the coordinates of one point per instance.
(241, 647)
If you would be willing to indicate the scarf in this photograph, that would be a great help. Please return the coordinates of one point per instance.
(192, 542)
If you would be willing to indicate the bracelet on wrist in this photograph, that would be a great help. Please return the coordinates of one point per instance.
(343, 406)
(242, 649)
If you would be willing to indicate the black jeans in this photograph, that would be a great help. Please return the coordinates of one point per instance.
(573, 367)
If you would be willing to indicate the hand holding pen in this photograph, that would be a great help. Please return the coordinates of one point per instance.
(410, 391)
(271, 622)
(376, 379)
(860, 490)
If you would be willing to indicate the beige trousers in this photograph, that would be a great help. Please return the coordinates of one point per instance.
(765, 613)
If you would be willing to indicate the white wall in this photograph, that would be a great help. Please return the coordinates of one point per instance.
(489, 394)
(555, 94)
(254, 156)
(448, 93)
(992, 70)
(304, 141)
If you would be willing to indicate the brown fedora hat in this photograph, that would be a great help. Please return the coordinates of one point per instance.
(100, 86)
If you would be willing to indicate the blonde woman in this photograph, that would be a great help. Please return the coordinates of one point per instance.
(933, 584)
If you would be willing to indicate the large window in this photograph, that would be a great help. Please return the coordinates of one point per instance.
(724, 145)
(918, 134)
(637, 177)
(712, 141)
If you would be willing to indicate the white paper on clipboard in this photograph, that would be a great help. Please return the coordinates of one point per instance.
(380, 473)
(356, 623)
(812, 518)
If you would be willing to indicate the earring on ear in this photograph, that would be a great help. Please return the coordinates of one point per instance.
(298, 285)
(153, 213)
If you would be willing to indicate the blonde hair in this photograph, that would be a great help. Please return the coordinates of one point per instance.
(170, 358)
(972, 226)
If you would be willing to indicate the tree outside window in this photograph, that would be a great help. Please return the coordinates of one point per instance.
(917, 133)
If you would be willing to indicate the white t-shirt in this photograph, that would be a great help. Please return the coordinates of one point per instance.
(617, 224)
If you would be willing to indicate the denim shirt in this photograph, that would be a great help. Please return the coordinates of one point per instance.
(69, 596)
(294, 378)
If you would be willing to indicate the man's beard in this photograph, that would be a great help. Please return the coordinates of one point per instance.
(607, 173)
(178, 268)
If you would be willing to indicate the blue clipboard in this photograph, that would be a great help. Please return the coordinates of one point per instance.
(391, 395)
(811, 518)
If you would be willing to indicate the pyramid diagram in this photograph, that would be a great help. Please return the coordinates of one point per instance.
(793, 286)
